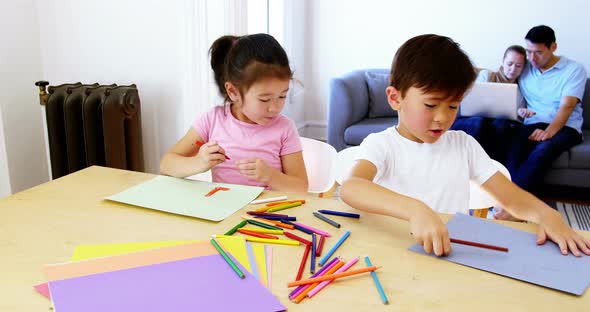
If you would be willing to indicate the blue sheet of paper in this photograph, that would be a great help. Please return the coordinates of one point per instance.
(542, 265)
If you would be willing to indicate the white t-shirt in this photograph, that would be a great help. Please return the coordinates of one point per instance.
(437, 173)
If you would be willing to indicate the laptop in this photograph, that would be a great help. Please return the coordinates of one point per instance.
(493, 100)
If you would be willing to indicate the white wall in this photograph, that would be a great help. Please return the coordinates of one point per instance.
(22, 148)
(123, 42)
(349, 35)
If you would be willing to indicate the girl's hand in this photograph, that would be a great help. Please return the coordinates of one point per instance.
(553, 227)
(210, 155)
(255, 169)
(526, 113)
(430, 232)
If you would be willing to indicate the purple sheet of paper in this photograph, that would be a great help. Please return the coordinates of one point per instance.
(542, 265)
(198, 284)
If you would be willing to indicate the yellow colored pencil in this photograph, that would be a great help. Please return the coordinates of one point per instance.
(272, 241)
(282, 207)
(265, 231)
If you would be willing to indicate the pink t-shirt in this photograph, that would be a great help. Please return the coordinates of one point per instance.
(242, 140)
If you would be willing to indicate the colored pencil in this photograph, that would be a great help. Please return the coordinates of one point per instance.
(272, 241)
(323, 284)
(333, 249)
(479, 245)
(276, 223)
(268, 200)
(331, 276)
(310, 287)
(317, 231)
(377, 282)
(263, 225)
(326, 219)
(303, 261)
(199, 143)
(318, 251)
(257, 234)
(283, 207)
(277, 218)
(329, 265)
(341, 214)
(265, 231)
(297, 238)
(313, 251)
(235, 228)
(267, 214)
(300, 228)
(227, 259)
(286, 202)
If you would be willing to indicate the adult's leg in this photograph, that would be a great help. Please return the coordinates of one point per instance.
(530, 174)
(501, 132)
(520, 146)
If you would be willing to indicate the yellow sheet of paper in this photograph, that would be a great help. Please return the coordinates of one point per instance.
(260, 256)
(234, 245)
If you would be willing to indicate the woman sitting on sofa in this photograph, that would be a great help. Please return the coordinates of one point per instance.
(493, 134)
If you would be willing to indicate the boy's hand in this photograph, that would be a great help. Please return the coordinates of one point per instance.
(430, 232)
(210, 154)
(526, 113)
(255, 169)
(553, 227)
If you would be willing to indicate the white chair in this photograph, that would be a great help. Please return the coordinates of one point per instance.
(479, 200)
(343, 164)
(319, 157)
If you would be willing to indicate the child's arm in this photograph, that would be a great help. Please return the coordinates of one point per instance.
(525, 206)
(186, 158)
(292, 179)
(360, 192)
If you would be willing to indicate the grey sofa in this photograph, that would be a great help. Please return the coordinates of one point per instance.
(358, 106)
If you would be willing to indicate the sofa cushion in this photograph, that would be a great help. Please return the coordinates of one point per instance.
(356, 133)
(378, 106)
(580, 154)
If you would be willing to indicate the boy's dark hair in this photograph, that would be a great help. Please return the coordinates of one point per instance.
(517, 49)
(541, 34)
(432, 63)
(243, 60)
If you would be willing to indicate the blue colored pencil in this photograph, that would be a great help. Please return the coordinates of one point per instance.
(313, 248)
(302, 229)
(377, 283)
(338, 243)
(342, 214)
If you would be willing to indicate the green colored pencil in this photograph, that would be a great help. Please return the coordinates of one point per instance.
(284, 206)
(227, 259)
(264, 225)
(235, 228)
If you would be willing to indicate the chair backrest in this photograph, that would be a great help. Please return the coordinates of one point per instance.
(343, 164)
(319, 157)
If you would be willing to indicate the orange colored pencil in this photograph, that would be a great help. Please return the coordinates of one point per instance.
(257, 234)
(286, 202)
(332, 276)
(278, 223)
(303, 294)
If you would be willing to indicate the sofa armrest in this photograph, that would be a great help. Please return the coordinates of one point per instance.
(349, 104)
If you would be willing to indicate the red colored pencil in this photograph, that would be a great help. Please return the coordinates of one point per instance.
(297, 238)
(474, 244)
(303, 261)
(252, 233)
(199, 143)
(318, 251)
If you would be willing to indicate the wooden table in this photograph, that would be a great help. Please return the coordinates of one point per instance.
(44, 224)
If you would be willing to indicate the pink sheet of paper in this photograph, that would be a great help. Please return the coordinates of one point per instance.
(127, 261)
(43, 289)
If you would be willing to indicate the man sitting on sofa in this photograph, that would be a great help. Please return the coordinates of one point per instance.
(553, 87)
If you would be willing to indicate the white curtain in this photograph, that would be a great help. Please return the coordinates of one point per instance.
(205, 21)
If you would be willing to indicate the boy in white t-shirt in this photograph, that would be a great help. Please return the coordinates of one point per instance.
(418, 168)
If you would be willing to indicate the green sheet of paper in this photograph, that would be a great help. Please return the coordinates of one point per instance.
(187, 197)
